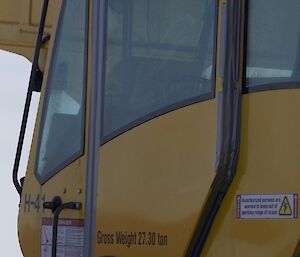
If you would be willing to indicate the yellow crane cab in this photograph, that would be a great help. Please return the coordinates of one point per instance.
(165, 128)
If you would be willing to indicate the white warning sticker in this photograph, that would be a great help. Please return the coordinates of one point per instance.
(269, 206)
(70, 236)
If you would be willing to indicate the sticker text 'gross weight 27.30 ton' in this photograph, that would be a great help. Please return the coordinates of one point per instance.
(132, 238)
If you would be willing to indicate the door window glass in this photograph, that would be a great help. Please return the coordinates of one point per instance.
(273, 47)
(159, 57)
(62, 126)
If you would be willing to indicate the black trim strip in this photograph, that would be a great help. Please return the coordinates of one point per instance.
(230, 135)
(245, 47)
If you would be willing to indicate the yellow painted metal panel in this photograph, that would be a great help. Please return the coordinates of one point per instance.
(9, 11)
(297, 250)
(154, 179)
(19, 25)
(269, 164)
(35, 16)
(69, 183)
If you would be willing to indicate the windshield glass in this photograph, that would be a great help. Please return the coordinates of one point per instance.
(62, 125)
(159, 57)
(273, 55)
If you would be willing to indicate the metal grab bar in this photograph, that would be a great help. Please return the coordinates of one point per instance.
(36, 78)
(56, 212)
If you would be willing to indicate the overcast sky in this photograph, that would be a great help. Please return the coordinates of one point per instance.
(14, 76)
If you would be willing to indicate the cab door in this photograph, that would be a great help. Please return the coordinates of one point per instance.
(259, 216)
(159, 124)
(56, 171)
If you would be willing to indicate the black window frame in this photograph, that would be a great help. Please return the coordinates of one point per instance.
(165, 109)
(264, 86)
(43, 179)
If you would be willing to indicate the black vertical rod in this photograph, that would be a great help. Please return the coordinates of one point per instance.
(70, 206)
(34, 71)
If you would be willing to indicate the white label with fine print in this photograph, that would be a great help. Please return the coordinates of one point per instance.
(70, 235)
(267, 206)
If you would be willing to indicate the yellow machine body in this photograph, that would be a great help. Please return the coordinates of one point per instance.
(154, 179)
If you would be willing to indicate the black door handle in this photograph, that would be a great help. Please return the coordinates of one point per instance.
(57, 207)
